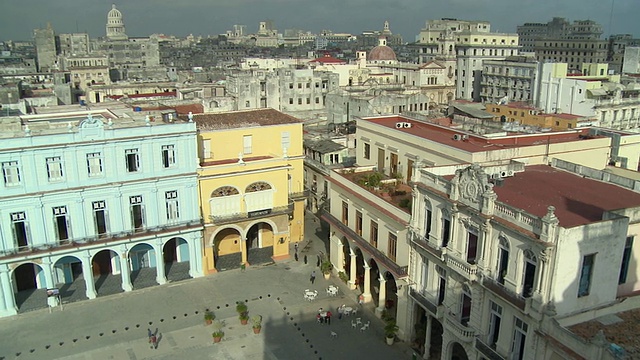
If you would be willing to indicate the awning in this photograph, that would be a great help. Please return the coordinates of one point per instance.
(597, 92)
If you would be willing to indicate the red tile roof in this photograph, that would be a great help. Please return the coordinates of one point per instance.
(239, 119)
(134, 96)
(328, 59)
(476, 143)
(578, 201)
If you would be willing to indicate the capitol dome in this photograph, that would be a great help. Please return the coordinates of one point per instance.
(115, 25)
(382, 52)
(114, 13)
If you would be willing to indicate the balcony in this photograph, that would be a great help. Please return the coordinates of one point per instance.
(422, 298)
(231, 218)
(299, 195)
(398, 271)
(37, 249)
(487, 351)
(423, 243)
(468, 271)
(463, 333)
(509, 295)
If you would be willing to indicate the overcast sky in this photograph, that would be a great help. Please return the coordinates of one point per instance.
(18, 18)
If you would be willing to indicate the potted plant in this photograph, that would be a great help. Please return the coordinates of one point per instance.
(256, 323)
(217, 331)
(209, 316)
(243, 312)
(390, 330)
(326, 266)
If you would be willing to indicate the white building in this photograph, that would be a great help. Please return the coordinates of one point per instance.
(93, 196)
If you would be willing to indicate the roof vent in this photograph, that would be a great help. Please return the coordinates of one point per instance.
(457, 137)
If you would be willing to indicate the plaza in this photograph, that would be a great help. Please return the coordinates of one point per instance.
(115, 326)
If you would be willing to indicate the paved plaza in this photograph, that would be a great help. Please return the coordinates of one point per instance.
(115, 326)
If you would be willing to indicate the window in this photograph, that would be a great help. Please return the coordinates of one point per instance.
(585, 274)
(345, 213)
(446, 231)
(367, 151)
(472, 246)
(358, 223)
(427, 220)
(317, 100)
(503, 260)
(20, 229)
(465, 311)
(626, 259)
(519, 339)
(171, 199)
(285, 139)
(299, 85)
(290, 101)
(137, 212)
(494, 324)
(442, 284)
(54, 168)
(392, 246)
(529, 273)
(299, 101)
(94, 164)
(168, 156)
(206, 148)
(373, 234)
(247, 144)
(11, 173)
(133, 160)
(424, 273)
(61, 222)
(308, 101)
(100, 217)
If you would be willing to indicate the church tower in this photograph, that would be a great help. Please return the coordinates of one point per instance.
(115, 25)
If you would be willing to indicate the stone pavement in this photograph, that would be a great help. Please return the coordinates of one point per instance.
(115, 327)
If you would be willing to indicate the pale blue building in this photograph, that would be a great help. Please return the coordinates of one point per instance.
(88, 199)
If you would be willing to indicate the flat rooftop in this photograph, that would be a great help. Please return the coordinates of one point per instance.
(474, 142)
(578, 201)
(242, 119)
(621, 329)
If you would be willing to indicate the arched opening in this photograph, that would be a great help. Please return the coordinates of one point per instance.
(458, 352)
(29, 287)
(106, 272)
(391, 290)
(258, 196)
(419, 335)
(359, 270)
(177, 262)
(260, 239)
(225, 201)
(68, 277)
(374, 282)
(227, 249)
(142, 258)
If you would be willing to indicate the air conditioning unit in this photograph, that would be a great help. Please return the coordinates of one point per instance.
(503, 174)
(399, 125)
(457, 137)
(510, 172)
(465, 137)
(407, 125)
(496, 176)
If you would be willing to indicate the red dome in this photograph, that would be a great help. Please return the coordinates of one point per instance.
(382, 52)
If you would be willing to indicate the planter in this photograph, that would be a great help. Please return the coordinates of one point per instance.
(327, 276)
(390, 340)
(257, 330)
(217, 339)
(208, 321)
(244, 321)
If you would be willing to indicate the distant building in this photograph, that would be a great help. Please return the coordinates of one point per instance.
(45, 48)
(631, 62)
(514, 79)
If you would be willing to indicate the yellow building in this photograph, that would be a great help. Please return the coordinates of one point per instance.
(251, 186)
(529, 116)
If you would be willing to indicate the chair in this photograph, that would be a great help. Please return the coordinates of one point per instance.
(353, 324)
(365, 326)
(354, 311)
(359, 321)
(347, 312)
(334, 334)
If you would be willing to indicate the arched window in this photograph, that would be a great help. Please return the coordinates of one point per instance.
(529, 276)
(465, 311)
(224, 191)
(258, 186)
(503, 259)
(428, 215)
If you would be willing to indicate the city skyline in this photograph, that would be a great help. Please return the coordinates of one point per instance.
(200, 17)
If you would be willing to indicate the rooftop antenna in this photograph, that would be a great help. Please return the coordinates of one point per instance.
(613, 2)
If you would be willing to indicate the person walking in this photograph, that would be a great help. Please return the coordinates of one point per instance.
(154, 341)
(340, 312)
(295, 255)
(328, 317)
(313, 277)
(149, 333)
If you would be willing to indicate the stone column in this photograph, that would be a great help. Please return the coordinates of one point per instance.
(367, 283)
(195, 257)
(161, 278)
(48, 279)
(87, 273)
(427, 338)
(353, 272)
(243, 248)
(8, 302)
(382, 296)
(125, 271)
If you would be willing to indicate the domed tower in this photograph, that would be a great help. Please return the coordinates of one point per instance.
(382, 54)
(115, 25)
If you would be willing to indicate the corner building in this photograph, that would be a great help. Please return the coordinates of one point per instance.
(251, 186)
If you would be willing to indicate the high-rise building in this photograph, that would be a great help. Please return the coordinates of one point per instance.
(46, 52)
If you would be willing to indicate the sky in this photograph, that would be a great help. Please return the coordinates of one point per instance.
(18, 18)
